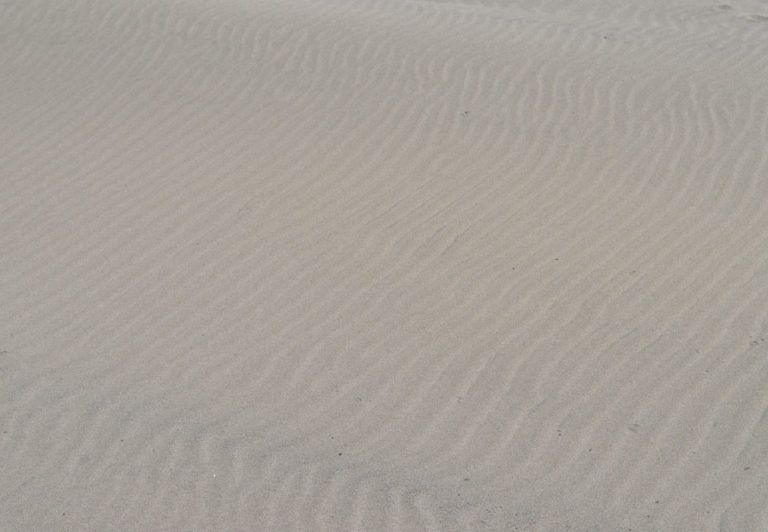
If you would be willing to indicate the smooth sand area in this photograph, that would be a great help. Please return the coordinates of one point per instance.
(384, 265)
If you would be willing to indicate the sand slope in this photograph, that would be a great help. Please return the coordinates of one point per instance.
(383, 264)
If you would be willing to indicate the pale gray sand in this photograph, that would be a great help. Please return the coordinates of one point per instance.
(379, 265)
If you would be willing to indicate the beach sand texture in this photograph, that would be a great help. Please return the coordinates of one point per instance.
(383, 265)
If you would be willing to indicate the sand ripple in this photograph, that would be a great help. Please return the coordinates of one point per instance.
(383, 264)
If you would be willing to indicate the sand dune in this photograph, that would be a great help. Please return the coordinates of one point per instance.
(383, 264)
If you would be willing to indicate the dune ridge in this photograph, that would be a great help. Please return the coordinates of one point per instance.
(383, 264)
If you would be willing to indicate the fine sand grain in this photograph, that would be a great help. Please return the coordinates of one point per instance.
(383, 264)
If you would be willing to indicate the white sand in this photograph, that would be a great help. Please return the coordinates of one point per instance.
(383, 264)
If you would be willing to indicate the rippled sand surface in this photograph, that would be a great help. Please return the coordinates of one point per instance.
(383, 264)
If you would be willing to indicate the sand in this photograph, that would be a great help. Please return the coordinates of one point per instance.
(383, 265)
